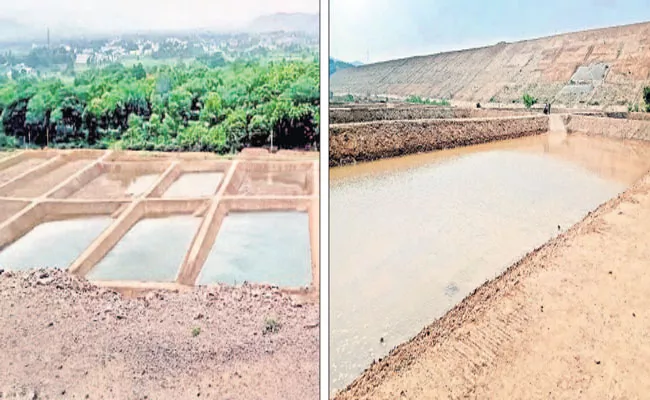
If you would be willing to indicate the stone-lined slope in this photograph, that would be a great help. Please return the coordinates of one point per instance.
(604, 67)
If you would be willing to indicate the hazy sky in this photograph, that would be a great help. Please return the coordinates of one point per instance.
(389, 29)
(103, 15)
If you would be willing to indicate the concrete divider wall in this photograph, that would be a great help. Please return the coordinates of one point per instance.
(19, 215)
(610, 127)
(30, 174)
(108, 239)
(21, 223)
(350, 143)
(165, 180)
(10, 207)
(77, 182)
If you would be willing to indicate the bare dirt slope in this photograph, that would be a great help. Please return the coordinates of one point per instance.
(569, 321)
(61, 337)
(597, 67)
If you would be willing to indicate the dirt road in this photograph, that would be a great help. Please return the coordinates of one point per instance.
(61, 337)
(571, 320)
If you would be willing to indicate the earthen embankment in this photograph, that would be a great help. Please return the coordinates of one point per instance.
(345, 115)
(611, 127)
(350, 143)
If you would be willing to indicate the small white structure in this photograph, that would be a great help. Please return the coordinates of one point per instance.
(82, 59)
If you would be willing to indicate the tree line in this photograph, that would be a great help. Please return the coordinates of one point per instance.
(170, 108)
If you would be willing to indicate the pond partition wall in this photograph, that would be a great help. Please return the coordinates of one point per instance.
(132, 220)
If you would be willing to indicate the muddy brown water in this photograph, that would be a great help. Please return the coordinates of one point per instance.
(410, 237)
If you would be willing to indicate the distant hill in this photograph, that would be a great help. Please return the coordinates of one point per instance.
(599, 67)
(294, 22)
(337, 65)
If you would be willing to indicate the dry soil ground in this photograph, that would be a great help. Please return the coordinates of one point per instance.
(571, 320)
(61, 337)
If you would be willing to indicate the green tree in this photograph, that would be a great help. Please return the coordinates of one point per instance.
(188, 107)
(529, 100)
(139, 72)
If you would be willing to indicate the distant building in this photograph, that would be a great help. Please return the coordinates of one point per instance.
(21, 69)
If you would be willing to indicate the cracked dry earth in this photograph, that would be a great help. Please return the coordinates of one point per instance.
(62, 337)
(569, 321)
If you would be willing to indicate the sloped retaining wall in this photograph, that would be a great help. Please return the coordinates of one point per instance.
(611, 127)
(368, 114)
(366, 141)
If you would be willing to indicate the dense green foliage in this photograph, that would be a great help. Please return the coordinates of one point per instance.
(646, 98)
(419, 100)
(195, 107)
(529, 100)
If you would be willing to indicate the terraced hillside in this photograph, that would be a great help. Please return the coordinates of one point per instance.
(602, 67)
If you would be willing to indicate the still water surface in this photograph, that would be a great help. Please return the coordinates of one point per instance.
(410, 237)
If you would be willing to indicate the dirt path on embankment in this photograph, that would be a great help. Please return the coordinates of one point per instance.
(61, 337)
(571, 320)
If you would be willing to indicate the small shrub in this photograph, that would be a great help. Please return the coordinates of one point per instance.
(492, 100)
(271, 326)
(196, 331)
(7, 142)
(414, 100)
(646, 98)
(529, 100)
(349, 98)
(419, 100)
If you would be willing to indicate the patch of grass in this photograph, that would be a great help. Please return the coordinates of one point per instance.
(420, 100)
(271, 325)
(196, 331)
